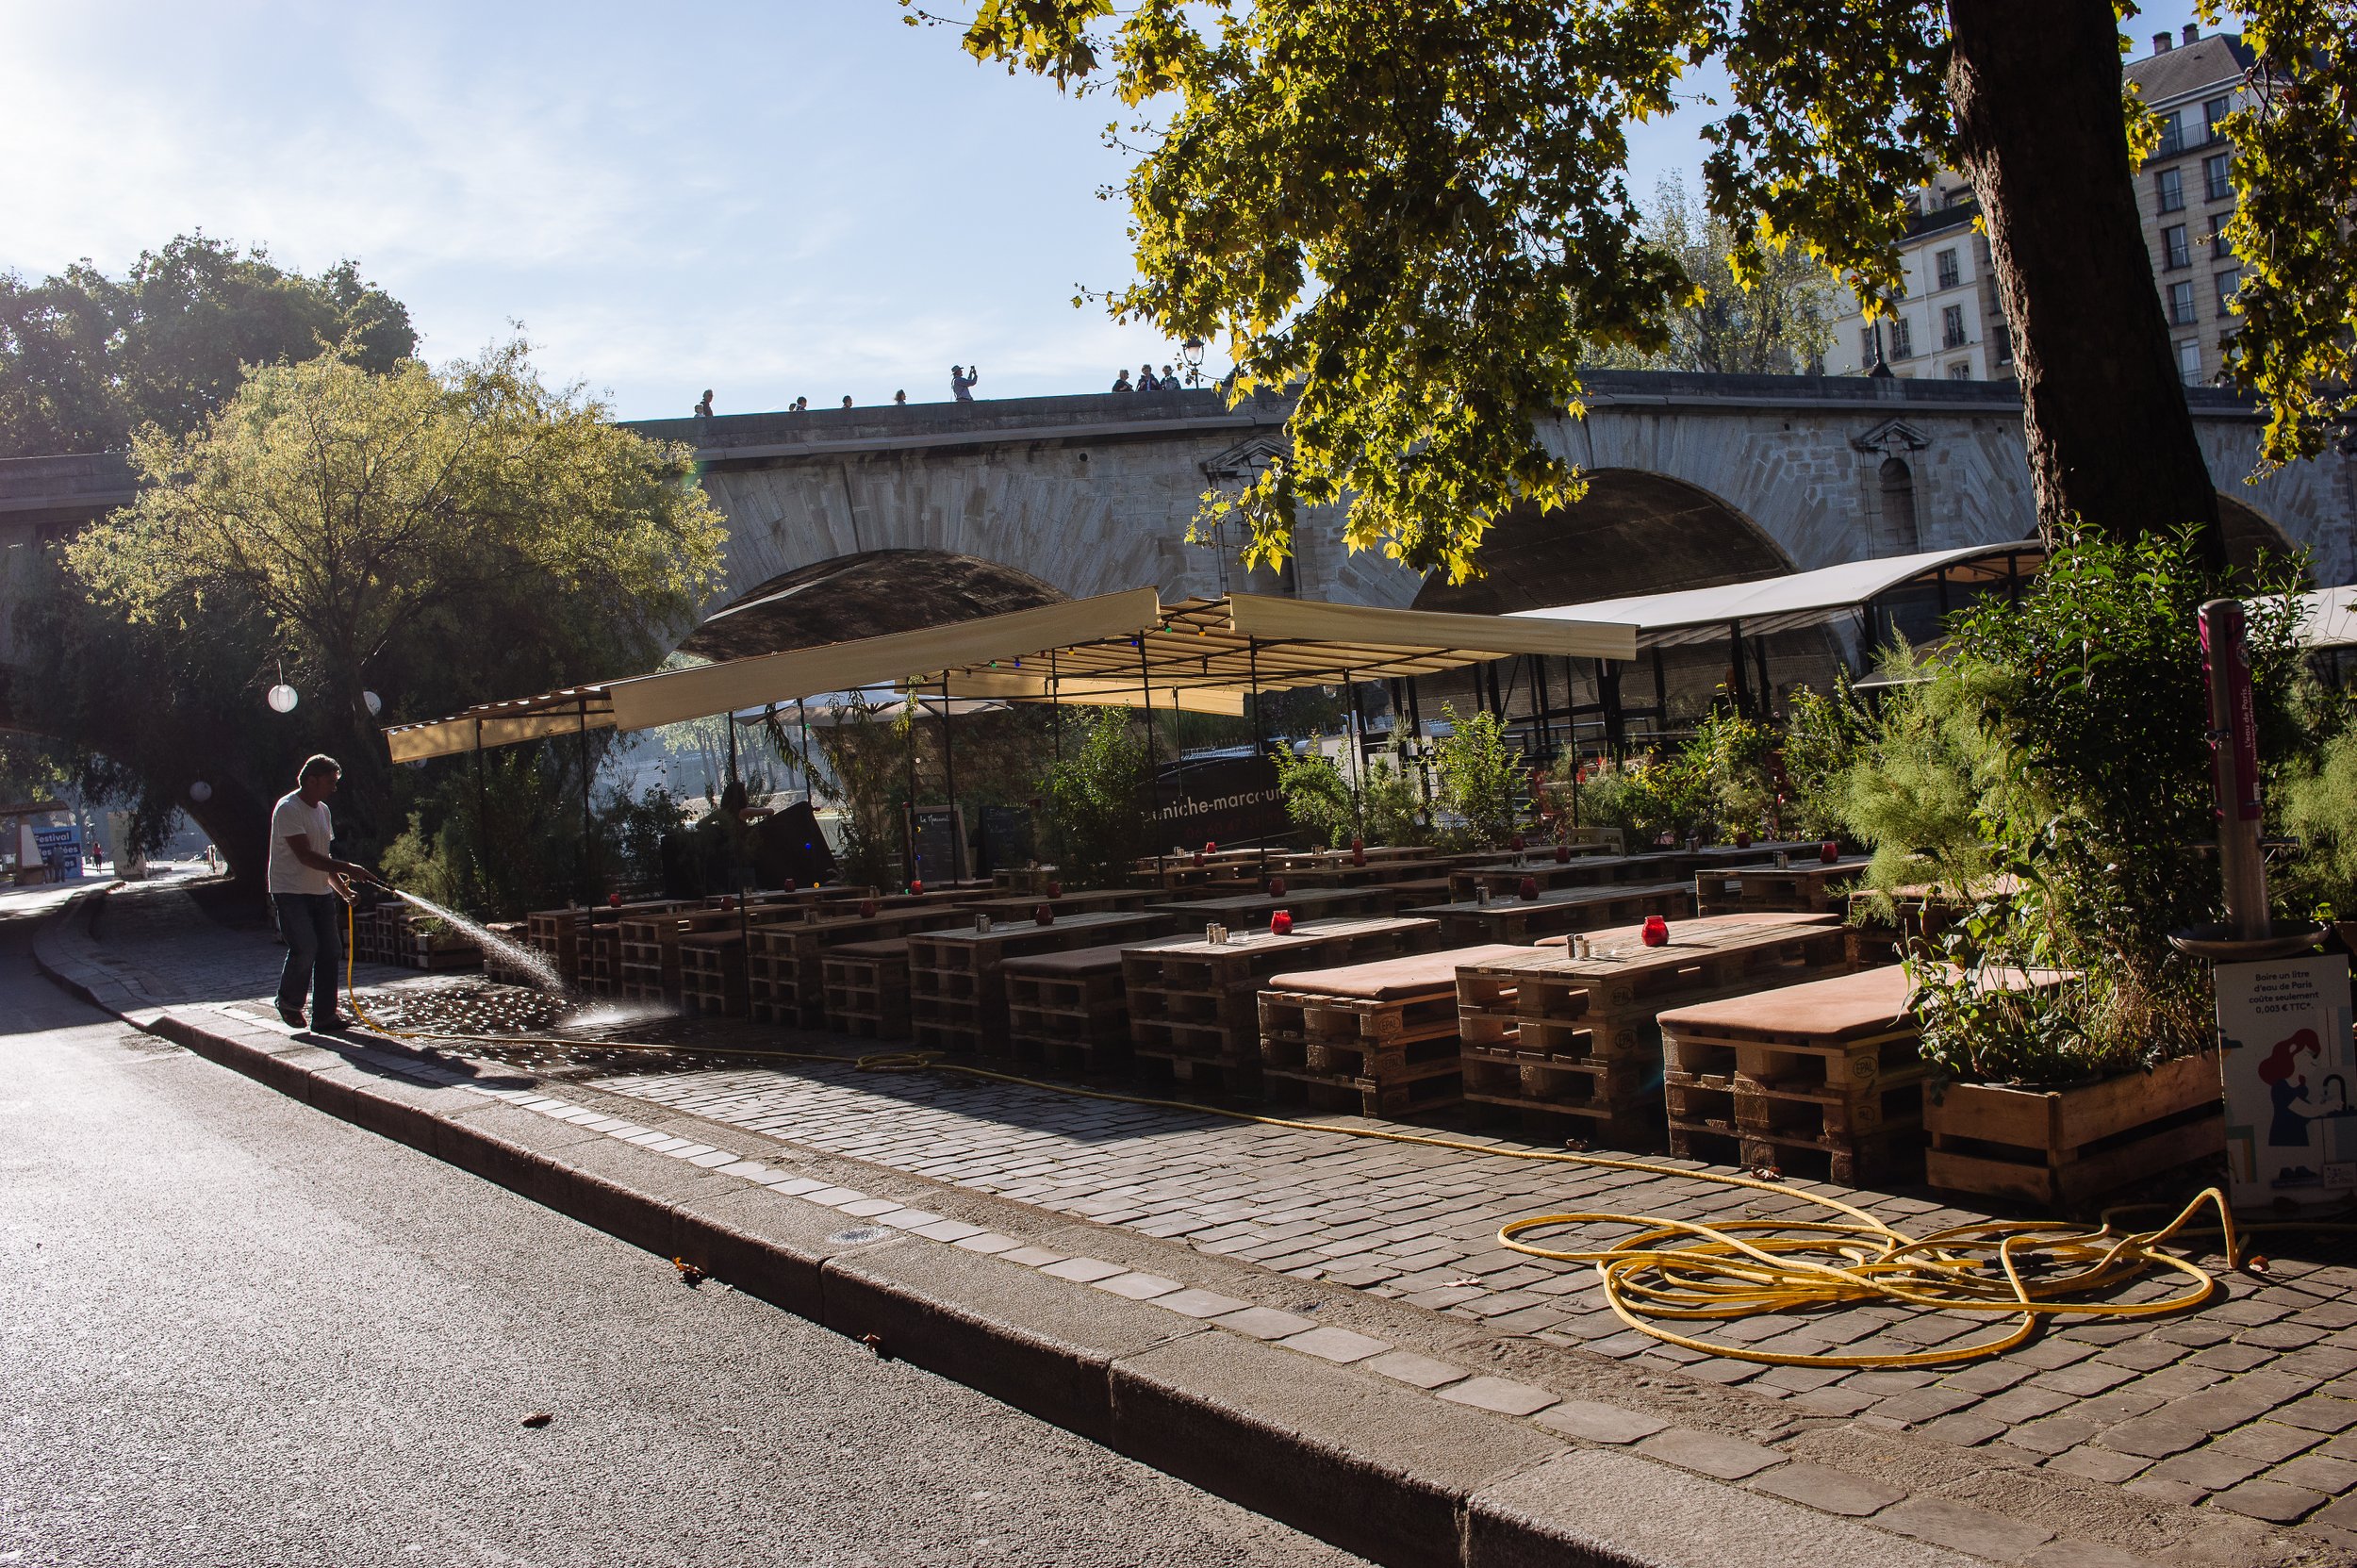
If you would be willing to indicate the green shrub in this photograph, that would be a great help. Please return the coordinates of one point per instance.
(1096, 797)
(1823, 735)
(1315, 793)
(1479, 778)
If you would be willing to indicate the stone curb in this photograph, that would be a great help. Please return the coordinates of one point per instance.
(1369, 1461)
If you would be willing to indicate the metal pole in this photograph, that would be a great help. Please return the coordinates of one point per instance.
(1735, 652)
(481, 808)
(810, 793)
(1759, 662)
(1260, 736)
(909, 871)
(1358, 759)
(950, 777)
(589, 831)
(1538, 688)
(1153, 765)
(2234, 767)
(1423, 762)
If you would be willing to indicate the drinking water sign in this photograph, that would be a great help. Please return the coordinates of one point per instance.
(2284, 1046)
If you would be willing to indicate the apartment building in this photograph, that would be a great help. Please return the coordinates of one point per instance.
(1948, 322)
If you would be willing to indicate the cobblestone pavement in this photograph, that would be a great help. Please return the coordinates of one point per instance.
(2247, 1407)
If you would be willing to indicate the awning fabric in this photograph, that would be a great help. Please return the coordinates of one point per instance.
(2328, 618)
(1121, 648)
(1795, 600)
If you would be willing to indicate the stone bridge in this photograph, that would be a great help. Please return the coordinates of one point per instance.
(913, 514)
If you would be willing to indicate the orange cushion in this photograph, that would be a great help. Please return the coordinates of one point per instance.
(1390, 979)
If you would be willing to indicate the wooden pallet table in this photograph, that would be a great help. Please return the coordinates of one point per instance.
(1523, 922)
(784, 962)
(1367, 1039)
(1821, 1079)
(1550, 1033)
(1070, 1010)
(865, 988)
(957, 980)
(1807, 886)
(647, 956)
(440, 952)
(1504, 878)
(1085, 901)
(712, 974)
(1240, 910)
(1194, 1013)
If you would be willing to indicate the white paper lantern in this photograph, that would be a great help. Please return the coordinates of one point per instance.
(282, 698)
(377, 703)
(200, 792)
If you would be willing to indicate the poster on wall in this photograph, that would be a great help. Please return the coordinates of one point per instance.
(61, 849)
(2284, 1039)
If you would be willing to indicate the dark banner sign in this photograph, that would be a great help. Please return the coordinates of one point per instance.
(1229, 799)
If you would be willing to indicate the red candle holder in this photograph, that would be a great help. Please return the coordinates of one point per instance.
(1529, 889)
(868, 909)
(1563, 854)
(1055, 888)
(1045, 914)
(613, 900)
(917, 884)
(1282, 923)
(1211, 847)
(1357, 851)
(1656, 932)
(1276, 887)
(1517, 843)
(789, 884)
(1829, 852)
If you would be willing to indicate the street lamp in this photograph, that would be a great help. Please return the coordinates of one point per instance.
(1192, 351)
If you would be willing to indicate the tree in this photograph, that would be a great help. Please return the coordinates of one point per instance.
(442, 538)
(86, 359)
(1780, 326)
(1416, 214)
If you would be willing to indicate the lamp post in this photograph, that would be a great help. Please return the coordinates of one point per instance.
(1192, 351)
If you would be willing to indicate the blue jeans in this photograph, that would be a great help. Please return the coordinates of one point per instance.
(313, 924)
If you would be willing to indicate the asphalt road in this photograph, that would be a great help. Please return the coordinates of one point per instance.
(236, 1331)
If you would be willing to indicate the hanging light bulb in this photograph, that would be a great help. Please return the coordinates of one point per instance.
(282, 698)
(200, 792)
(375, 703)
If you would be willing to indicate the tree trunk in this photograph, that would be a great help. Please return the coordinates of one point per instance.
(2038, 105)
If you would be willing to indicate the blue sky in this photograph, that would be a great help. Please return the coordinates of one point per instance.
(801, 198)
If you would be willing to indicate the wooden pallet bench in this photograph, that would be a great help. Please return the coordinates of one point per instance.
(712, 974)
(647, 943)
(1086, 901)
(1367, 1039)
(1549, 1032)
(865, 987)
(784, 962)
(1504, 877)
(957, 980)
(1523, 922)
(1821, 1079)
(1194, 1005)
(1806, 886)
(1070, 1010)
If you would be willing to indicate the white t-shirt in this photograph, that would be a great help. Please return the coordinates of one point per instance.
(294, 815)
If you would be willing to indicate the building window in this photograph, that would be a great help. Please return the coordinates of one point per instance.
(2181, 304)
(1960, 371)
(2214, 183)
(1902, 338)
(1951, 327)
(1898, 508)
(1865, 347)
(2172, 136)
(2005, 344)
(2227, 282)
(2213, 115)
(2168, 186)
(2174, 252)
(2218, 232)
(2190, 362)
(1945, 262)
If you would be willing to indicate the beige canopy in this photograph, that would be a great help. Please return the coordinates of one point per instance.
(1115, 650)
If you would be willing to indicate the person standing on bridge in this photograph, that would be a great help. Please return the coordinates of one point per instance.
(305, 883)
(961, 384)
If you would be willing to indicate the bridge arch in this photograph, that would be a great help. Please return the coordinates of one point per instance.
(1633, 531)
(866, 594)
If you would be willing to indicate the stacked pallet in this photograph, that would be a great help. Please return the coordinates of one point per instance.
(1306, 904)
(1069, 1009)
(957, 978)
(784, 962)
(647, 960)
(712, 974)
(865, 988)
(1368, 1039)
(1522, 921)
(1821, 1079)
(556, 936)
(1549, 1034)
(373, 933)
(435, 947)
(1802, 887)
(499, 970)
(1195, 1006)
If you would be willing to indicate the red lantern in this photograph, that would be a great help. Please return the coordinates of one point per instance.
(1563, 854)
(1357, 851)
(1829, 852)
(1276, 887)
(1656, 932)
(1045, 914)
(1282, 923)
(1529, 889)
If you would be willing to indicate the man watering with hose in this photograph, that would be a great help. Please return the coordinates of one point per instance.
(306, 885)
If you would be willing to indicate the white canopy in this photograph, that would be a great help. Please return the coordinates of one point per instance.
(1793, 600)
(2328, 618)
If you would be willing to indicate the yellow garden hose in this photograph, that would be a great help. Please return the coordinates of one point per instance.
(1676, 1271)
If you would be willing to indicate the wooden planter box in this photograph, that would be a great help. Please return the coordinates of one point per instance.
(2059, 1148)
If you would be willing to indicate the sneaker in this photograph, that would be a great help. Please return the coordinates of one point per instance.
(336, 1024)
(292, 1015)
